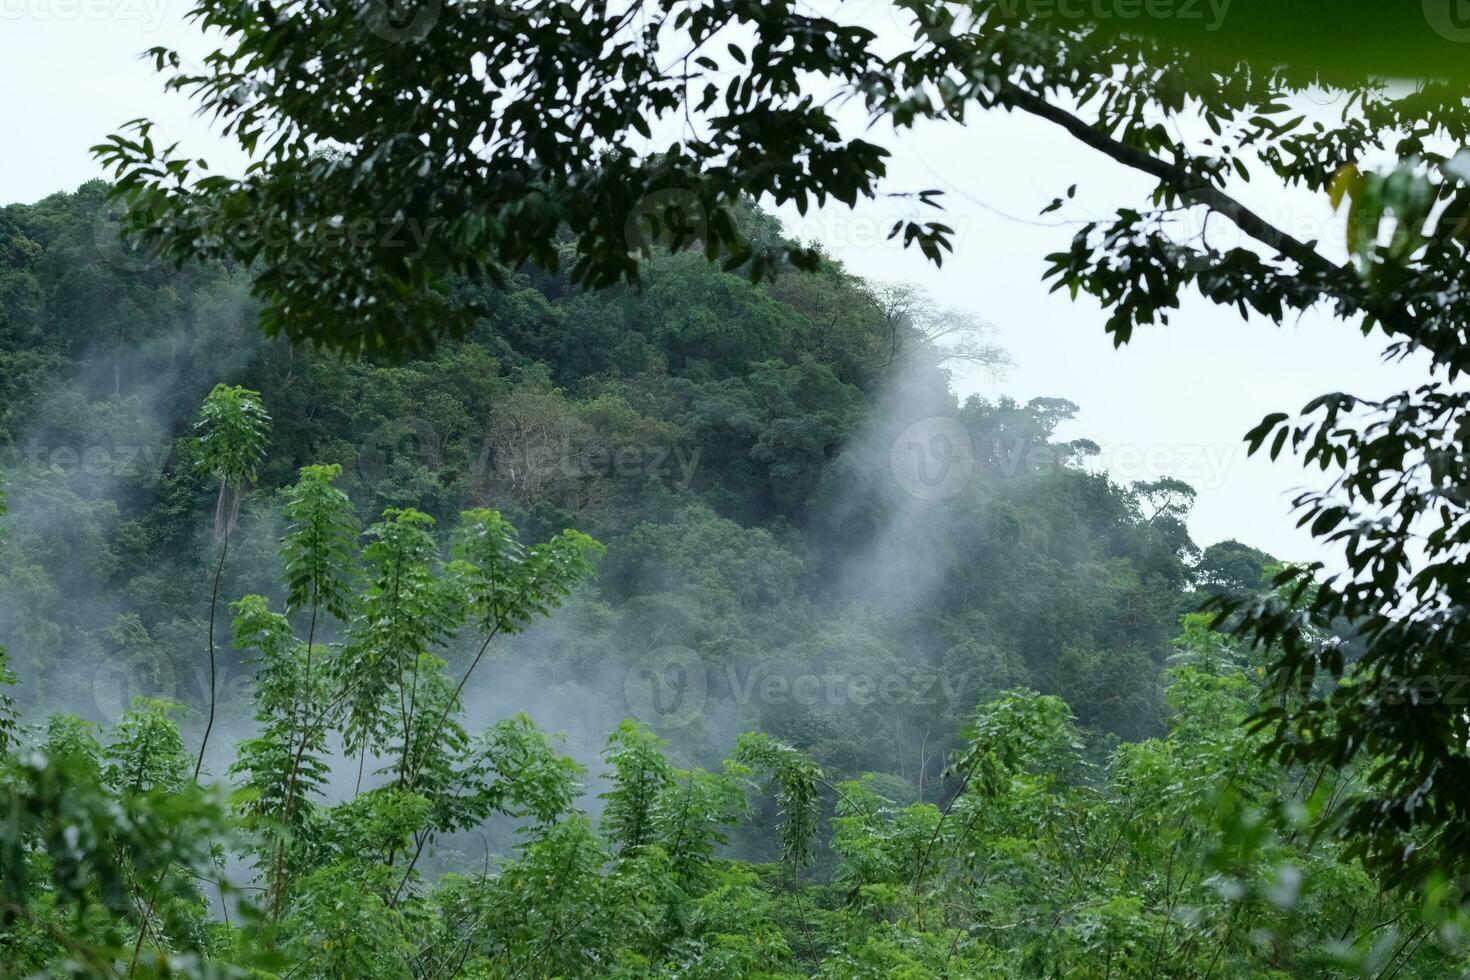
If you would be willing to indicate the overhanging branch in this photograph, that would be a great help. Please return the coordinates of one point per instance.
(1196, 189)
(1190, 186)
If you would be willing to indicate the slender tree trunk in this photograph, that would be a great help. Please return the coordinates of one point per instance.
(278, 874)
(213, 607)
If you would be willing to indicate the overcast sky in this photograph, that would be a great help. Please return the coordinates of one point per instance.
(1174, 402)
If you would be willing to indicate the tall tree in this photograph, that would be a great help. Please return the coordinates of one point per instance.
(235, 430)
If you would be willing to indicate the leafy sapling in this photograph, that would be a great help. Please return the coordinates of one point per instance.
(234, 431)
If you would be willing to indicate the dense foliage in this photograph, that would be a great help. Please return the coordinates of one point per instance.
(786, 554)
(697, 104)
(732, 445)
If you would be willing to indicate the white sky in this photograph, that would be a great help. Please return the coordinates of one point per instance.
(1175, 401)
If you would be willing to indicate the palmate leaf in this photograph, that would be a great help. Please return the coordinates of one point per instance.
(504, 585)
(404, 612)
(146, 752)
(794, 777)
(96, 843)
(640, 775)
(512, 768)
(320, 547)
(234, 432)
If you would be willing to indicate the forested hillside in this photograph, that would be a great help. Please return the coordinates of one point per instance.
(732, 446)
(857, 679)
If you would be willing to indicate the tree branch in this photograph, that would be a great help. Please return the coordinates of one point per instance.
(1190, 186)
(1395, 318)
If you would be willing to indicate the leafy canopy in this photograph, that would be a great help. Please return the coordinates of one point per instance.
(476, 133)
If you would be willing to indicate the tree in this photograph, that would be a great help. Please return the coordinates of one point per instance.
(640, 773)
(536, 447)
(1189, 854)
(913, 322)
(1232, 568)
(1197, 820)
(1395, 460)
(235, 431)
(565, 97)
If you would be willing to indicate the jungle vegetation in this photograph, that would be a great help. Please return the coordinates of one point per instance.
(575, 438)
